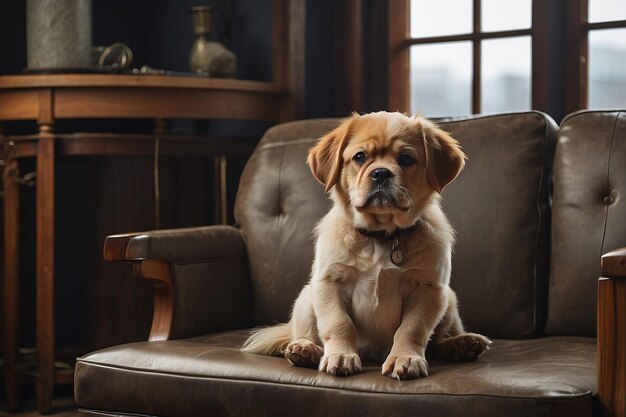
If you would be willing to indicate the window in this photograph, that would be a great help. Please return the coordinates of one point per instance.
(458, 57)
(607, 53)
(466, 56)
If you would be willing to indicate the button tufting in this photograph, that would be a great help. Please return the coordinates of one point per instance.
(608, 200)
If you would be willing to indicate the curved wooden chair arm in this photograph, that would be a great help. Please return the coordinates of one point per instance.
(115, 246)
(161, 256)
(159, 272)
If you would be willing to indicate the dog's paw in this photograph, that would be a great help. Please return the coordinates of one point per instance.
(465, 347)
(405, 367)
(341, 364)
(304, 353)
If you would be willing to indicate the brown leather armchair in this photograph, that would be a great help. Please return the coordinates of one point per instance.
(525, 269)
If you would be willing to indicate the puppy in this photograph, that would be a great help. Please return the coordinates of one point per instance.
(379, 287)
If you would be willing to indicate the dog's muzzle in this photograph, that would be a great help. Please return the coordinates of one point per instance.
(384, 192)
(383, 196)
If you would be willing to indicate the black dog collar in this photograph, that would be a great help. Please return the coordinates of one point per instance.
(384, 234)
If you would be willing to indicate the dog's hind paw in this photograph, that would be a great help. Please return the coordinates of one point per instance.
(465, 347)
(303, 353)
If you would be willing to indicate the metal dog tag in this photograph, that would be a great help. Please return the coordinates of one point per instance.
(397, 257)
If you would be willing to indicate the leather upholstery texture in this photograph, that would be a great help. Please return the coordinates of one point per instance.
(589, 215)
(278, 203)
(537, 377)
(188, 244)
(499, 206)
(209, 270)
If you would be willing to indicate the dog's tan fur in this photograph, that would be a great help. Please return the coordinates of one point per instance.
(358, 304)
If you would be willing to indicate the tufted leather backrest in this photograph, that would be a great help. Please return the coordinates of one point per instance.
(589, 215)
(498, 205)
(278, 203)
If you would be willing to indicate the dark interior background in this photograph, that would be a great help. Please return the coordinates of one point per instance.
(100, 304)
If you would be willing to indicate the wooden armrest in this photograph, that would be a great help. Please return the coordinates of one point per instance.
(155, 270)
(612, 334)
(183, 263)
(175, 245)
(115, 246)
(614, 263)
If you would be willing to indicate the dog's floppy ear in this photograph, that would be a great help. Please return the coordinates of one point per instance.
(325, 157)
(444, 158)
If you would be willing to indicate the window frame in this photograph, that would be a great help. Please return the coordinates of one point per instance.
(577, 59)
(400, 42)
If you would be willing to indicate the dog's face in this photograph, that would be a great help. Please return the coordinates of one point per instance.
(385, 168)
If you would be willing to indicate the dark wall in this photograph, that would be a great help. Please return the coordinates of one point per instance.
(335, 57)
(320, 64)
(158, 32)
(12, 37)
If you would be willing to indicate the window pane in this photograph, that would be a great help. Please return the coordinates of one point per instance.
(441, 79)
(441, 17)
(607, 10)
(506, 15)
(607, 68)
(506, 70)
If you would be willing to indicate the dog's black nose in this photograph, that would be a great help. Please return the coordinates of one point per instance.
(379, 175)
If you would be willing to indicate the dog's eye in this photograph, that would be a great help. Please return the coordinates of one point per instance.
(359, 158)
(406, 160)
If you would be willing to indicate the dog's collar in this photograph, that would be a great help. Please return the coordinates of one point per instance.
(384, 234)
(396, 255)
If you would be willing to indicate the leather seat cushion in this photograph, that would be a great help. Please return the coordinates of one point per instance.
(209, 375)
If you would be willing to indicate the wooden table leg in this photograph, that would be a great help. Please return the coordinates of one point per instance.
(45, 268)
(160, 129)
(220, 193)
(11, 281)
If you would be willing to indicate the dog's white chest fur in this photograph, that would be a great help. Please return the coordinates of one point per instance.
(376, 310)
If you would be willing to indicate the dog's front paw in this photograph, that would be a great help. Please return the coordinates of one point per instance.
(405, 367)
(341, 364)
(303, 352)
(465, 347)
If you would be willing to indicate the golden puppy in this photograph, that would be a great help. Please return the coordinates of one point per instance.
(379, 285)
